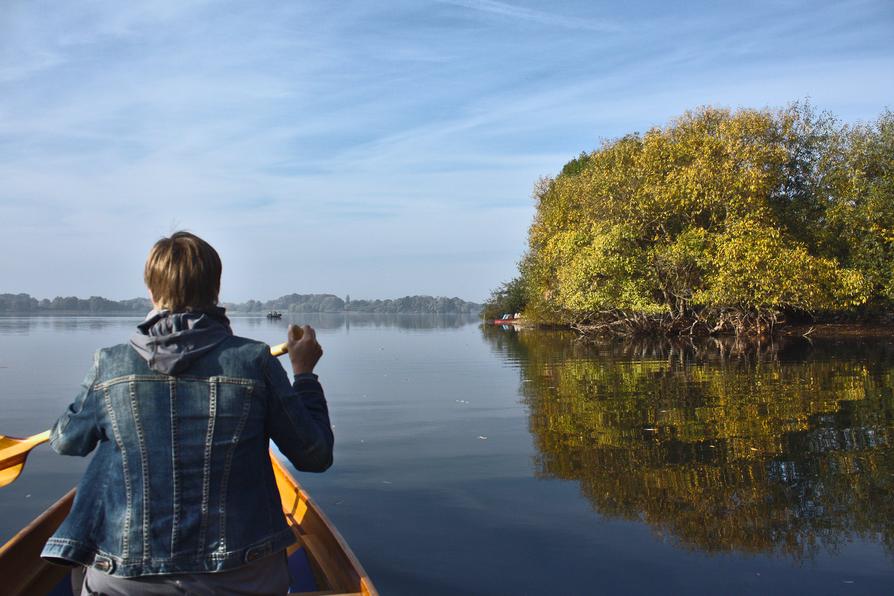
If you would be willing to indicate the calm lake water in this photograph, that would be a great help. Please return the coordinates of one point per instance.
(477, 460)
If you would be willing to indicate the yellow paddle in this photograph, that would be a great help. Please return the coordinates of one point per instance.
(14, 451)
(281, 349)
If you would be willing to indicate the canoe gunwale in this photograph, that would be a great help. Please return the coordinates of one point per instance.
(330, 554)
(22, 569)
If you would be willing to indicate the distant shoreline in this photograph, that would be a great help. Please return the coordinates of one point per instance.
(25, 304)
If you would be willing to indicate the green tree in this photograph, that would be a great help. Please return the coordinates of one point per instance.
(508, 298)
(861, 211)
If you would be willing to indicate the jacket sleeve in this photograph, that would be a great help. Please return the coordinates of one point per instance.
(298, 418)
(76, 431)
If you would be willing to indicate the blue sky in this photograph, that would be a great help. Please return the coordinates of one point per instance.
(372, 148)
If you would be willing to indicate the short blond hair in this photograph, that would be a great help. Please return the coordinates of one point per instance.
(183, 273)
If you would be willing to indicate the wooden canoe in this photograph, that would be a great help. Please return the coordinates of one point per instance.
(320, 562)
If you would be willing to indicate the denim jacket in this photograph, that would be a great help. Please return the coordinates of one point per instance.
(181, 480)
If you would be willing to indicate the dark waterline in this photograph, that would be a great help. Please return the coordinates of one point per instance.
(488, 461)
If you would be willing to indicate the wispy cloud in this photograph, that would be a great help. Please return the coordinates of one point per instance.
(540, 17)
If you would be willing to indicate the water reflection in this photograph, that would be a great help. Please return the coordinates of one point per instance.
(24, 324)
(418, 322)
(783, 447)
(333, 321)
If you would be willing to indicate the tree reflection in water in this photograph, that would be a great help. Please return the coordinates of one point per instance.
(781, 448)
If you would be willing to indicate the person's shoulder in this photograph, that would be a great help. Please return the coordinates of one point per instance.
(116, 351)
(237, 341)
(250, 349)
(116, 360)
(244, 357)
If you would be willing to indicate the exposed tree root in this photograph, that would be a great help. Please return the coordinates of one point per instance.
(741, 323)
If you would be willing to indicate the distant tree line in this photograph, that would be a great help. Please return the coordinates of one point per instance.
(291, 303)
(721, 221)
(25, 303)
(316, 303)
(329, 303)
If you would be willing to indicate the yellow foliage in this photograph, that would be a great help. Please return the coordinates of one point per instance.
(718, 210)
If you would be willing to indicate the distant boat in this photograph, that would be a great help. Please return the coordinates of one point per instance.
(274, 314)
(508, 319)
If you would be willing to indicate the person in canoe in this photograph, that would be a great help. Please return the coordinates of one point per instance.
(180, 495)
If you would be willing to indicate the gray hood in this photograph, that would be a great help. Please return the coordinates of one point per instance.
(170, 342)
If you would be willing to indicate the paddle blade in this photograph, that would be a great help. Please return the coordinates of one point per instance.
(13, 453)
(9, 475)
(6, 442)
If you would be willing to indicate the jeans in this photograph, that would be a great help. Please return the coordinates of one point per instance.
(266, 576)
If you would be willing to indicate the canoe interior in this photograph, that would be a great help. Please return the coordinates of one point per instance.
(320, 562)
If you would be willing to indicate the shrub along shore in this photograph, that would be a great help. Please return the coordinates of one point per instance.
(720, 222)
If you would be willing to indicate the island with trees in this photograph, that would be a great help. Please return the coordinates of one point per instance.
(720, 222)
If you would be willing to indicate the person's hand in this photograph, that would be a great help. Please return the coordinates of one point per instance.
(304, 351)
